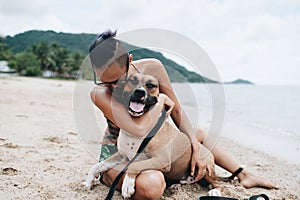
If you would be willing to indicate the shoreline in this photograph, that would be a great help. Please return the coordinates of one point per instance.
(275, 145)
(43, 155)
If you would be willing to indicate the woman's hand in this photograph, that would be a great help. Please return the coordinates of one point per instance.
(199, 165)
(164, 100)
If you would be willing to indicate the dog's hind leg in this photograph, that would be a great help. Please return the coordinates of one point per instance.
(101, 167)
(136, 168)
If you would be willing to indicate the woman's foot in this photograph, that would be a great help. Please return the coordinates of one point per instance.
(249, 180)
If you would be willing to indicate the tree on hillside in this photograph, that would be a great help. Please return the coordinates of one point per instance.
(55, 58)
(59, 56)
(5, 52)
(27, 64)
(74, 63)
(42, 51)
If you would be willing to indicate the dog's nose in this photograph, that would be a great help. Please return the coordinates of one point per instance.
(140, 92)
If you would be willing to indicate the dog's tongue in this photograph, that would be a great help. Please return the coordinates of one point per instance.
(136, 107)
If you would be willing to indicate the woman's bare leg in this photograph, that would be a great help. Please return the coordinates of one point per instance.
(149, 184)
(224, 160)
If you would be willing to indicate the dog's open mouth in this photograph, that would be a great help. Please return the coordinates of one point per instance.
(136, 108)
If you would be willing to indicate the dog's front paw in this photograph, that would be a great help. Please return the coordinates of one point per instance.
(128, 187)
(90, 181)
(214, 192)
(92, 176)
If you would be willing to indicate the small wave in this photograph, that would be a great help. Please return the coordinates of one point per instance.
(272, 130)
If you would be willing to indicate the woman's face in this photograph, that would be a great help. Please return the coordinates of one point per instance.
(110, 75)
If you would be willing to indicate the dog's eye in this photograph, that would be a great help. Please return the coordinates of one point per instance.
(134, 80)
(151, 85)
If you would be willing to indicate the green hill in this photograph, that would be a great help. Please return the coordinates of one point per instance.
(81, 42)
(72, 42)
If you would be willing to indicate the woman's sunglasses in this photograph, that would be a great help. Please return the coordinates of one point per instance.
(118, 81)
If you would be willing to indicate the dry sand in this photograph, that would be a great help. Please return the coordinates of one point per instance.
(42, 155)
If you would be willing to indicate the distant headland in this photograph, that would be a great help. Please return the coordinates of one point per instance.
(240, 81)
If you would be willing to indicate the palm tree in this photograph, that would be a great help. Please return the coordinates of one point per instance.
(41, 50)
(60, 57)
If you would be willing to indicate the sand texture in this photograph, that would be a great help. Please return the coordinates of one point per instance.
(42, 155)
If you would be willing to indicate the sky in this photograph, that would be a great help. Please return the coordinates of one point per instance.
(257, 40)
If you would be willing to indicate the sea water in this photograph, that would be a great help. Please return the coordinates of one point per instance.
(266, 118)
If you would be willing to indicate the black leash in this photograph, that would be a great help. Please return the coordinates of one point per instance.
(146, 140)
(255, 197)
(230, 178)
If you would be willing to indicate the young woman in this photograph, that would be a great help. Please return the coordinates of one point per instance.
(112, 64)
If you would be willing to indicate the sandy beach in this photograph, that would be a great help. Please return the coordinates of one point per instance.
(42, 154)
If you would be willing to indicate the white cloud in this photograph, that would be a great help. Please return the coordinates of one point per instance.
(25, 8)
(266, 43)
(245, 39)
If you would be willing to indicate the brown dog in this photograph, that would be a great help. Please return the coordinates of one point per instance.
(169, 150)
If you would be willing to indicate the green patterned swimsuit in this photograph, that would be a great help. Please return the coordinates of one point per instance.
(109, 143)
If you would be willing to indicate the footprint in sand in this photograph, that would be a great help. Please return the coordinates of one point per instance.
(2, 140)
(9, 171)
(10, 145)
(22, 116)
(54, 139)
(72, 133)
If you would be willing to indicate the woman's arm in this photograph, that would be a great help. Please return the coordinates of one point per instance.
(140, 126)
(118, 114)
